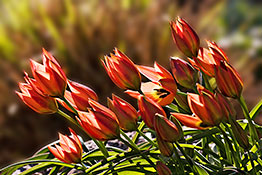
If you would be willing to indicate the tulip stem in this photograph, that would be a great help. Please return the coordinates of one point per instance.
(228, 142)
(83, 166)
(69, 105)
(251, 125)
(100, 145)
(148, 139)
(252, 162)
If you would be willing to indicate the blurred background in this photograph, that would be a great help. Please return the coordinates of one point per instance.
(79, 32)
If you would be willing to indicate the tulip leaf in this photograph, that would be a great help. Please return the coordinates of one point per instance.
(255, 111)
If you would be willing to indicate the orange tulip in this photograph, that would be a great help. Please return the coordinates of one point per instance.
(126, 114)
(100, 122)
(78, 97)
(163, 87)
(50, 77)
(122, 70)
(70, 149)
(162, 169)
(185, 37)
(37, 102)
(228, 80)
(167, 130)
(216, 52)
(148, 109)
(183, 72)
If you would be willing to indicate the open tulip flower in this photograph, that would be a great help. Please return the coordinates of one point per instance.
(126, 114)
(70, 149)
(78, 96)
(50, 77)
(99, 122)
(36, 101)
(122, 70)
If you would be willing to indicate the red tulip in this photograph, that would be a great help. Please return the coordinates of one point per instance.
(185, 37)
(183, 72)
(162, 169)
(228, 80)
(37, 102)
(122, 70)
(227, 108)
(100, 122)
(216, 52)
(79, 96)
(126, 114)
(50, 77)
(205, 106)
(70, 149)
(148, 109)
(166, 129)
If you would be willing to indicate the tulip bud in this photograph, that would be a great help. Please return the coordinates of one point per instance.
(126, 114)
(166, 129)
(181, 100)
(226, 106)
(183, 72)
(100, 122)
(240, 134)
(185, 37)
(122, 71)
(205, 106)
(228, 80)
(217, 53)
(162, 169)
(148, 109)
(37, 102)
(70, 149)
(50, 78)
(78, 97)
(166, 148)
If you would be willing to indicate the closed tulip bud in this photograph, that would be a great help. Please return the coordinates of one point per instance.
(190, 121)
(226, 106)
(122, 71)
(100, 122)
(217, 53)
(39, 103)
(205, 106)
(240, 134)
(185, 37)
(166, 129)
(79, 96)
(166, 148)
(126, 114)
(70, 149)
(228, 80)
(148, 109)
(183, 72)
(162, 169)
(50, 78)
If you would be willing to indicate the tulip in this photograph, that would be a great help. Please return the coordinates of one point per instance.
(162, 169)
(226, 106)
(166, 148)
(205, 106)
(50, 78)
(166, 129)
(126, 114)
(240, 134)
(190, 121)
(183, 72)
(70, 149)
(163, 87)
(185, 37)
(37, 102)
(228, 80)
(148, 109)
(217, 53)
(122, 70)
(99, 122)
(78, 97)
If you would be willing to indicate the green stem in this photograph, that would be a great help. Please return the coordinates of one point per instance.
(181, 165)
(191, 163)
(83, 166)
(252, 162)
(207, 85)
(100, 145)
(148, 139)
(251, 125)
(69, 105)
(129, 140)
(230, 146)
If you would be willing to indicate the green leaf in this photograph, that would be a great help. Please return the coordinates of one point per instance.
(254, 112)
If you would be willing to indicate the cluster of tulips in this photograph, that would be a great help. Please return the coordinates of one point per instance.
(196, 95)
